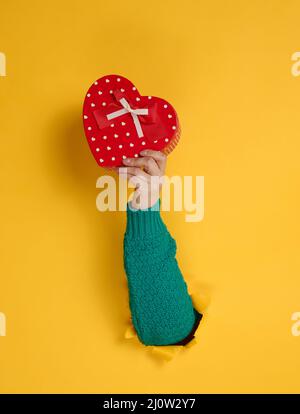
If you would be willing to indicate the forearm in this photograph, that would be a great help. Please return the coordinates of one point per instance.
(162, 310)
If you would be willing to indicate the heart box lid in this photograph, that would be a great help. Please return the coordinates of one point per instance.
(119, 123)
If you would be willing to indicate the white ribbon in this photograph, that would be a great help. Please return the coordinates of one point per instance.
(134, 113)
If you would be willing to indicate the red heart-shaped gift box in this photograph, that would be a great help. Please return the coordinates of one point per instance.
(120, 123)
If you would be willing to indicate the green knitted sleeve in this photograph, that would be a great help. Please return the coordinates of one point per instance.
(161, 308)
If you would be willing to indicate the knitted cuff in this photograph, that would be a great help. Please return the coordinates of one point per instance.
(144, 223)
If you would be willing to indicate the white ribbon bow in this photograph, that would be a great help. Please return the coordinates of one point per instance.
(134, 113)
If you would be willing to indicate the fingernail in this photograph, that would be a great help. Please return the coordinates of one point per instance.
(144, 152)
(127, 161)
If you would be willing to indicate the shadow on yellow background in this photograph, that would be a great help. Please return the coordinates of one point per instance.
(79, 173)
(226, 68)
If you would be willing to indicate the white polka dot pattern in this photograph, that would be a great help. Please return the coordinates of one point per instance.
(160, 128)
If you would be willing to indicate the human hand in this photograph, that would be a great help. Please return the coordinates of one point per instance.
(146, 175)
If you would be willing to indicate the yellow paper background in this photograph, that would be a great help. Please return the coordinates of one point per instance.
(226, 67)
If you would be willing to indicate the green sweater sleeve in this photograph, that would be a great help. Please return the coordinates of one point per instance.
(161, 308)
